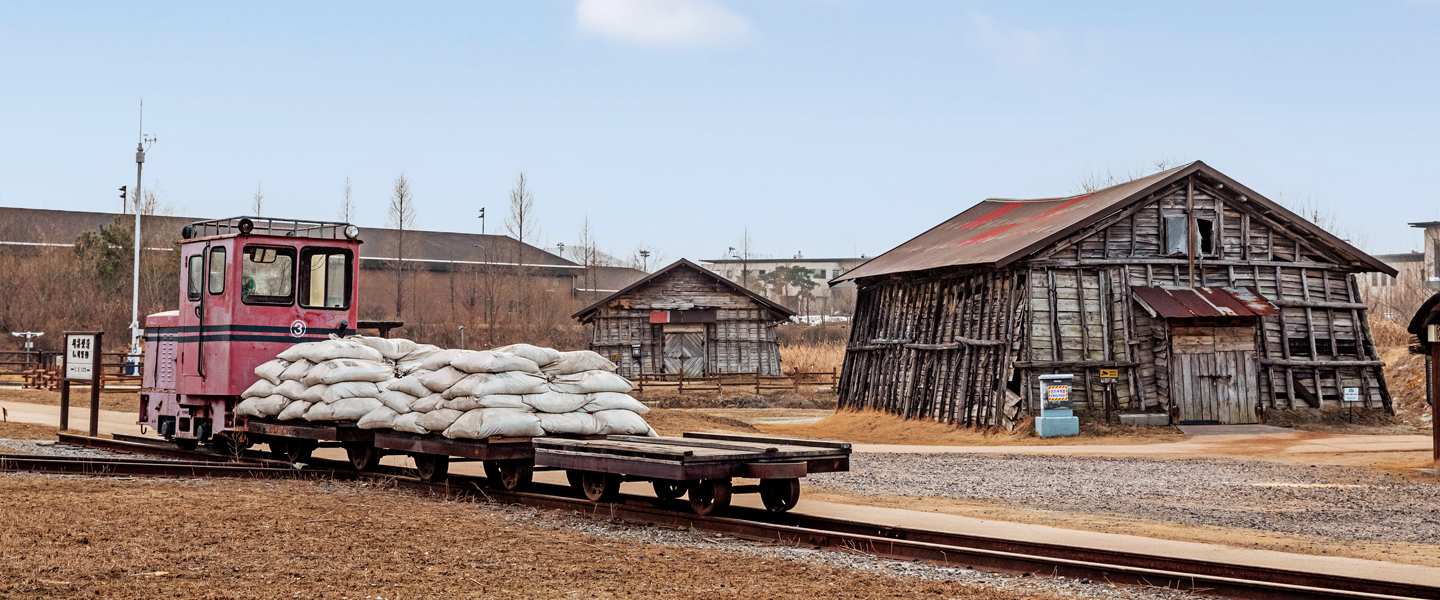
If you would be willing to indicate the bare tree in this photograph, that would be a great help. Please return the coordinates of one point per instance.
(587, 252)
(402, 220)
(257, 203)
(643, 255)
(744, 252)
(1096, 180)
(347, 205)
(521, 222)
(151, 203)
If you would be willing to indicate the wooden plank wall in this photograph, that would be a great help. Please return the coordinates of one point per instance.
(742, 340)
(939, 348)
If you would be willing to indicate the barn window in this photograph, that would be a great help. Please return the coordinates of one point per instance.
(1176, 241)
(1323, 347)
(1299, 346)
(1344, 347)
(1206, 228)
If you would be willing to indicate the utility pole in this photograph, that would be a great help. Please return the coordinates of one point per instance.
(135, 349)
(645, 261)
(482, 220)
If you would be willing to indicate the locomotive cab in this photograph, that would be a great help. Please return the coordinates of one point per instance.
(249, 288)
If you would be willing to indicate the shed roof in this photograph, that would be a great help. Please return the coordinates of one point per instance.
(585, 313)
(998, 231)
(1189, 303)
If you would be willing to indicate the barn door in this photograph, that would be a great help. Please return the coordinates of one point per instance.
(1214, 377)
(685, 350)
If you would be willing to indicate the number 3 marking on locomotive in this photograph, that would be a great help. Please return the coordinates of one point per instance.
(297, 329)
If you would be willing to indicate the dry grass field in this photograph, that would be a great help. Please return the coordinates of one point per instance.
(87, 538)
(813, 357)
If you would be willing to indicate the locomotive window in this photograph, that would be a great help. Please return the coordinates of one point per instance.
(194, 276)
(325, 280)
(217, 270)
(267, 276)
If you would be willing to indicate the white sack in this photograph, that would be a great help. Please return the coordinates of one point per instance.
(259, 389)
(572, 423)
(406, 422)
(556, 402)
(427, 403)
(413, 361)
(380, 418)
(293, 353)
(391, 348)
(314, 393)
(247, 407)
(349, 409)
(493, 362)
(349, 389)
(441, 359)
(506, 401)
(462, 403)
(410, 384)
(590, 382)
(485, 384)
(318, 352)
(290, 389)
(270, 406)
(490, 422)
(438, 420)
(442, 379)
(622, 422)
(295, 410)
(338, 370)
(577, 361)
(541, 356)
(296, 371)
(270, 370)
(396, 400)
(614, 401)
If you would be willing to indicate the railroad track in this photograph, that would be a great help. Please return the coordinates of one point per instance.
(953, 549)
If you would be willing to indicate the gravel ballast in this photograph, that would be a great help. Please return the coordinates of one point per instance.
(1330, 502)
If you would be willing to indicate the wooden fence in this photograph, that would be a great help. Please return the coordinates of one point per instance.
(736, 381)
(43, 370)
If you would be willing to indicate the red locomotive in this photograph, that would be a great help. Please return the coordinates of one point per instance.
(249, 288)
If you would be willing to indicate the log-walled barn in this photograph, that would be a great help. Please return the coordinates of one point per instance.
(687, 319)
(1210, 302)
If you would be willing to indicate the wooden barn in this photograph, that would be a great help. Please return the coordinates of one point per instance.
(687, 319)
(1207, 300)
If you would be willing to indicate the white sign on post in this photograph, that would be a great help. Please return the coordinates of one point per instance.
(80, 353)
(1352, 394)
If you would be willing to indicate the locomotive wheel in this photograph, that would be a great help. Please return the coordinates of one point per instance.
(575, 477)
(187, 443)
(231, 443)
(600, 487)
(779, 495)
(432, 468)
(668, 490)
(709, 496)
(363, 457)
(509, 475)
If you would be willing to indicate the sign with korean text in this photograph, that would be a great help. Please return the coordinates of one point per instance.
(1352, 394)
(81, 353)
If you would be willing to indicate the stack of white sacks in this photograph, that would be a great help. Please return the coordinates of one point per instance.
(514, 391)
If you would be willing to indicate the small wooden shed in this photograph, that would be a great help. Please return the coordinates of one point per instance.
(1193, 294)
(687, 319)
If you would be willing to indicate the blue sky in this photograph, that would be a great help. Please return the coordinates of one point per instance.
(824, 127)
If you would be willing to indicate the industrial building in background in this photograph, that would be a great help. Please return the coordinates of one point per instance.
(1199, 297)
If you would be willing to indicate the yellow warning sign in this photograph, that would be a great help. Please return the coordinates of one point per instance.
(1109, 373)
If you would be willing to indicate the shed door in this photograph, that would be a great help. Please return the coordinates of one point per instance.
(685, 349)
(1214, 376)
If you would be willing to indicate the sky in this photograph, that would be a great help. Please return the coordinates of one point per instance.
(823, 127)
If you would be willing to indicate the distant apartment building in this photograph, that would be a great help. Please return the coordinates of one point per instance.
(822, 299)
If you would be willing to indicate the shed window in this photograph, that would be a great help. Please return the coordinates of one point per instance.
(1206, 228)
(1177, 241)
(1323, 347)
(217, 270)
(1299, 346)
(1344, 347)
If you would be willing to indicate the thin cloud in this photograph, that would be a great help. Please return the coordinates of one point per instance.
(657, 23)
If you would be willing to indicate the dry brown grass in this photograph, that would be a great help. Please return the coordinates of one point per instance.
(874, 427)
(79, 398)
(813, 357)
(1389, 333)
(11, 430)
(675, 422)
(85, 538)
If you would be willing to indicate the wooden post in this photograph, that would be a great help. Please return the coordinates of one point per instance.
(64, 404)
(1434, 401)
(95, 383)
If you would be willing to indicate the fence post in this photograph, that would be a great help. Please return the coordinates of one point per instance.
(795, 379)
(681, 388)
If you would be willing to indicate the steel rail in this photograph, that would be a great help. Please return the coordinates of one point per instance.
(954, 549)
(156, 468)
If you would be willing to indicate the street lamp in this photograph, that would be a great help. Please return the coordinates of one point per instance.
(645, 261)
(462, 336)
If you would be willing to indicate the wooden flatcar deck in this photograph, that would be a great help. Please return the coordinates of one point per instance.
(695, 456)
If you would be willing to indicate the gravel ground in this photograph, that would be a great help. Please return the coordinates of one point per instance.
(1332, 502)
(50, 448)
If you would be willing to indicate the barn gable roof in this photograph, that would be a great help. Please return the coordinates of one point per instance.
(998, 232)
(586, 313)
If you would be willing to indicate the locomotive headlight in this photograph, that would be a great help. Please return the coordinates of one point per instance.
(352, 232)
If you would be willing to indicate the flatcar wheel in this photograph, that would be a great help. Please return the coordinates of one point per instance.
(509, 475)
(432, 468)
(575, 478)
(600, 487)
(186, 443)
(709, 496)
(779, 495)
(668, 490)
(363, 457)
(231, 443)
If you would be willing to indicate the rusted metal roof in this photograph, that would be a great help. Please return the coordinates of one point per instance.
(997, 232)
(1189, 303)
